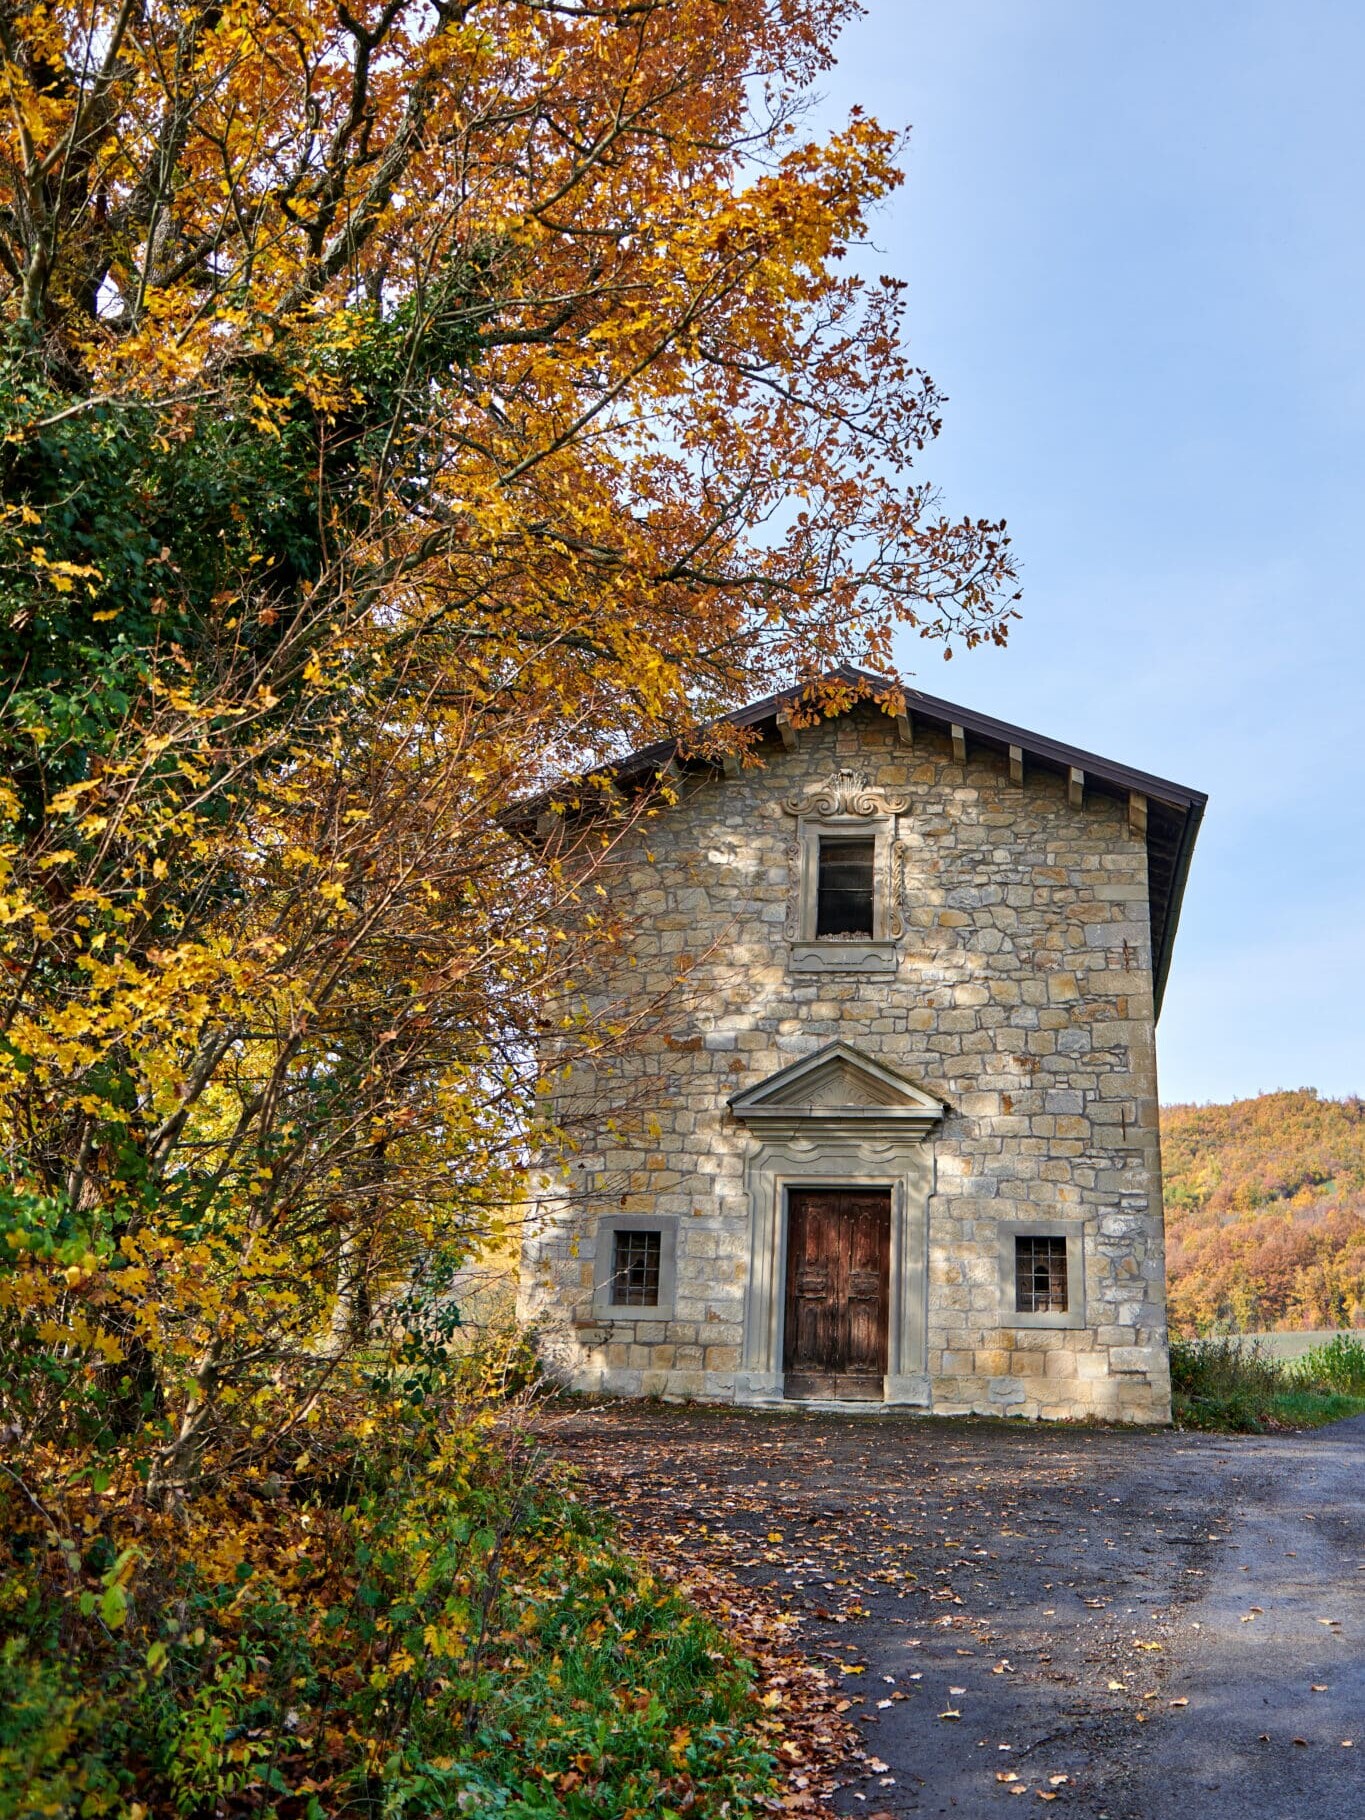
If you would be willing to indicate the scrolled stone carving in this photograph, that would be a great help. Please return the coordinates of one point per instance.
(896, 905)
(846, 792)
(791, 927)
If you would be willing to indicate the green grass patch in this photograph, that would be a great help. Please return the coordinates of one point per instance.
(1340, 1364)
(1233, 1385)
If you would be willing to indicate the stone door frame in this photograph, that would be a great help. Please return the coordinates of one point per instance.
(837, 1119)
(906, 1167)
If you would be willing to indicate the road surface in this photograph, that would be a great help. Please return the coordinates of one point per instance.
(1125, 1625)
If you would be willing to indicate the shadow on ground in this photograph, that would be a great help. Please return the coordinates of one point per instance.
(1118, 1622)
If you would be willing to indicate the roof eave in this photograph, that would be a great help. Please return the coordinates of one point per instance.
(1161, 963)
(1188, 805)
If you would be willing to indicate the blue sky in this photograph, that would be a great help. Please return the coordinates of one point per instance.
(1133, 240)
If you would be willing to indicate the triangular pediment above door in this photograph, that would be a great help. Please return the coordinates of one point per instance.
(838, 1084)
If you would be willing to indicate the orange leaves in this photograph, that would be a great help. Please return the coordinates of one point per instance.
(1267, 1212)
(510, 371)
(658, 350)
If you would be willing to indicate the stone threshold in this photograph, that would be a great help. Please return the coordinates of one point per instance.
(821, 1406)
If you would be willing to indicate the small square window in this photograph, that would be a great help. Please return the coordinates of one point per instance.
(1040, 1275)
(844, 887)
(635, 1268)
(635, 1262)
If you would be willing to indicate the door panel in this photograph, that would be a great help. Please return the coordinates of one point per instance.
(838, 1258)
(867, 1235)
(813, 1293)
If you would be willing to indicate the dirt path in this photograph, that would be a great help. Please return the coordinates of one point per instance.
(1124, 1623)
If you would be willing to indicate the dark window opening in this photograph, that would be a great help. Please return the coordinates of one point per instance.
(635, 1269)
(844, 893)
(1040, 1276)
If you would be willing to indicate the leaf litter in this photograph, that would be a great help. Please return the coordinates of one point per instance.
(826, 1526)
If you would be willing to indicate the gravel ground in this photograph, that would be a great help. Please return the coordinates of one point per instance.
(1117, 1622)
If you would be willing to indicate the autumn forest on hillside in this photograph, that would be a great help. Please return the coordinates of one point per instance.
(1265, 1213)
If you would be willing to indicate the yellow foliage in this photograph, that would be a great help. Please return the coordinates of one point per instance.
(543, 315)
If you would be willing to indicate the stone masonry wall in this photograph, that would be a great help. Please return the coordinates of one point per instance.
(1023, 998)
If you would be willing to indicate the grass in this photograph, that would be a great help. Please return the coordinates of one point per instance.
(1233, 1385)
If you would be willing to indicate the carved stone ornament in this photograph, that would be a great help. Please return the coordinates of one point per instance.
(845, 795)
(791, 927)
(845, 792)
(897, 905)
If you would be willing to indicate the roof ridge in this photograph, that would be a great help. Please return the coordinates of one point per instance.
(1174, 811)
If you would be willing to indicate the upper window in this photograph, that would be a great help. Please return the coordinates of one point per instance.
(636, 1258)
(1040, 1275)
(844, 889)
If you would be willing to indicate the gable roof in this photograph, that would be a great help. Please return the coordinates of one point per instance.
(1174, 811)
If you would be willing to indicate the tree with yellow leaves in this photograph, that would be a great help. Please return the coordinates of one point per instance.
(402, 405)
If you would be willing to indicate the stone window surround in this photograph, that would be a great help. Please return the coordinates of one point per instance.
(608, 1225)
(811, 830)
(1073, 1231)
(845, 805)
(904, 1164)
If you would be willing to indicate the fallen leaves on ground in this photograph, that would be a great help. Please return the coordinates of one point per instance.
(810, 1738)
(815, 1526)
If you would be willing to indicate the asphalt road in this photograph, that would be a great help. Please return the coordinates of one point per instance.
(1128, 1625)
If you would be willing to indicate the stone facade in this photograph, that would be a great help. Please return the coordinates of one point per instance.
(989, 1055)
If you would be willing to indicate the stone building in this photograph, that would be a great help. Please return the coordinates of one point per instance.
(895, 1140)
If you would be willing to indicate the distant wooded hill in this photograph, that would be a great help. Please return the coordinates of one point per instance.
(1265, 1213)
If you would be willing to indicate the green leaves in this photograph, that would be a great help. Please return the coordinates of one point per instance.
(112, 1606)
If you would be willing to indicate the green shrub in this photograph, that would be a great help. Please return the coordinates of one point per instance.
(50, 1749)
(411, 1618)
(1340, 1364)
(1233, 1384)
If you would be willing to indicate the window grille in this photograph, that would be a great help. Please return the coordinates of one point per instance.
(1040, 1276)
(845, 887)
(635, 1261)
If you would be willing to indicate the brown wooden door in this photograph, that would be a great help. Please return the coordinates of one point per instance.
(838, 1272)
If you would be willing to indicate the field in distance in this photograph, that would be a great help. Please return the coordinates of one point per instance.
(1295, 1342)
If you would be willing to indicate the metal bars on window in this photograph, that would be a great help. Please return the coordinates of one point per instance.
(1040, 1276)
(635, 1261)
(844, 887)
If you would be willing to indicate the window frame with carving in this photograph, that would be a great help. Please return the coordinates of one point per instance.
(846, 807)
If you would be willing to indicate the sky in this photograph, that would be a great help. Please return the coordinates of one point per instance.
(1133, 243)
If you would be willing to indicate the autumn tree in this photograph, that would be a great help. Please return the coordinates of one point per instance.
(402, 405)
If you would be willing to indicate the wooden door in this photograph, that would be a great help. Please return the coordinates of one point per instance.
(838, 1273)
